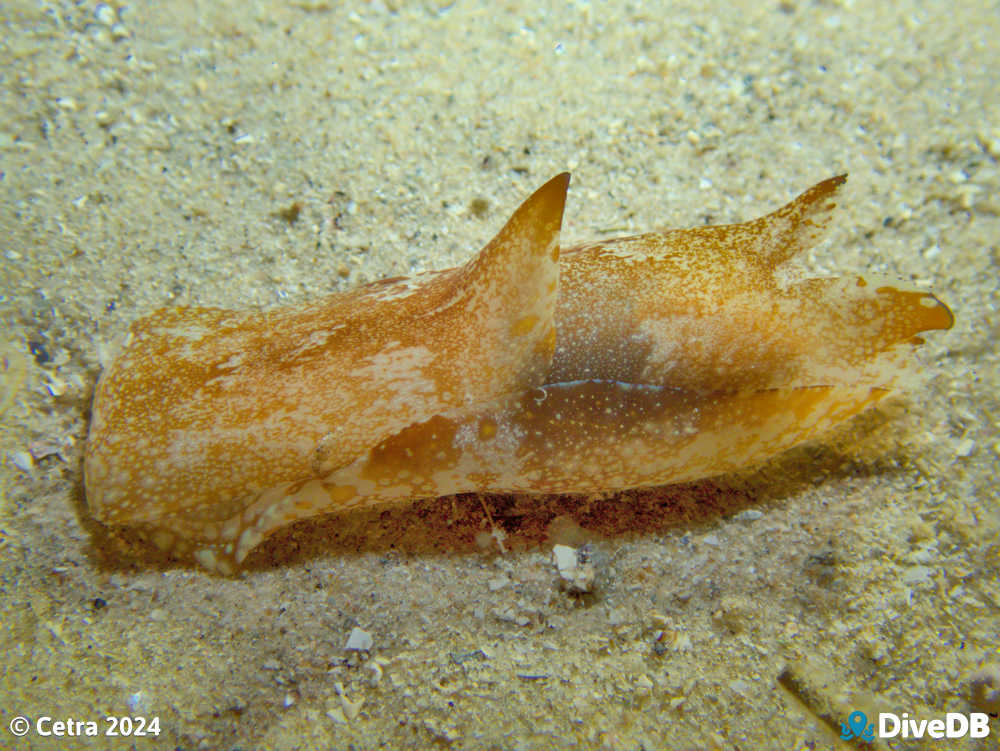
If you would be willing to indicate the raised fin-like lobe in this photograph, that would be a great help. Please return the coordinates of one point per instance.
(796, 226)
(205, 409)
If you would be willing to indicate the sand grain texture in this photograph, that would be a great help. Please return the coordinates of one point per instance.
(240, 154)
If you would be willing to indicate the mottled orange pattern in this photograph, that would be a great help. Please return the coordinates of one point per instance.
(644, 360)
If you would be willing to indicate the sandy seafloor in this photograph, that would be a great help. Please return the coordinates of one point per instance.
(151, 156)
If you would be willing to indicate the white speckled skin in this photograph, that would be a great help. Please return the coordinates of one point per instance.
(645, 360)
(205, 409)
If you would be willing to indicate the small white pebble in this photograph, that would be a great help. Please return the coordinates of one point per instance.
(56, 386)
(577, 575)
(917, 575)
(104, 14)
(350, 708)
(22, 460)
(965, 448)
(359, 640)
(498, 583)
(137, 702)
(565, 558)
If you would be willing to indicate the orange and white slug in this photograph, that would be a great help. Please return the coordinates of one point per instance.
(639, 361)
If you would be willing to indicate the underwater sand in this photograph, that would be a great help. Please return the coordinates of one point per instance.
(243, 154)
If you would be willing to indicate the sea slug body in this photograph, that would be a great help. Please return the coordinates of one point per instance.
(639, 361)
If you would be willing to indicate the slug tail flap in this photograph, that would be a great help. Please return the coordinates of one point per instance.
(798, 225)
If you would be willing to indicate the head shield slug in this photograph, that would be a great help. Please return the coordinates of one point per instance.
(644, 360)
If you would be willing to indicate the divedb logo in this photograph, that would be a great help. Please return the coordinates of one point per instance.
(954, 725)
